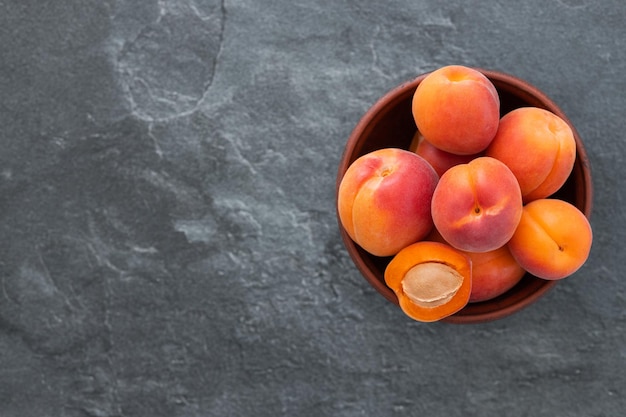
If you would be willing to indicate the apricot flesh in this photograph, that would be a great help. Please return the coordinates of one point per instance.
(384, 200)
(552, 240)
(457, 109)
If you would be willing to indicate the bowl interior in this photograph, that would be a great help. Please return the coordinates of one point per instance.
(389, 123)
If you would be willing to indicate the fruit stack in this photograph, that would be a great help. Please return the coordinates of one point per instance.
(469, 208)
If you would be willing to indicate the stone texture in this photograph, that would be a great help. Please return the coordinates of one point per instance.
(168, 239)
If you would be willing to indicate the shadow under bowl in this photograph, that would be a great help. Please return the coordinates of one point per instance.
(389, 124)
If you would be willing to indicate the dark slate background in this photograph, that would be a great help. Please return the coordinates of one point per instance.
(168, 239)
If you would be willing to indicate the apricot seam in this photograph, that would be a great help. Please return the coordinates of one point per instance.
(545, 229)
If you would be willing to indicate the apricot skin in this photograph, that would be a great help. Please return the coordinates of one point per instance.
(440, 160)
(493, 273)
(384, 200)
(457, 109)
(476, 206)
(553, 239)
(539, 148)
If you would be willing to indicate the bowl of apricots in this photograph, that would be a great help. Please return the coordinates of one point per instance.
(464, 195)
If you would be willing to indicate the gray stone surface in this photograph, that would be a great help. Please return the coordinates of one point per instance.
(168, 240)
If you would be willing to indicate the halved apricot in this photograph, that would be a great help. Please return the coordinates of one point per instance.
(432, 280)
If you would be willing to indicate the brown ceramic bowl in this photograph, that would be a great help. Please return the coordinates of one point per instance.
(389, 123)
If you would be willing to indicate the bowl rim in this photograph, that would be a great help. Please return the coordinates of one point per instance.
(508, 303)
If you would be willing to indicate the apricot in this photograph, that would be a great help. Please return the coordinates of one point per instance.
(440, 160)
(552, 240)
(476, 206)
(538, 146)
(432, 280)
(493, 273)
(457, 109)
(384, 200)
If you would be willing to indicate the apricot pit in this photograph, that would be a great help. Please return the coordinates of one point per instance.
(431, 284)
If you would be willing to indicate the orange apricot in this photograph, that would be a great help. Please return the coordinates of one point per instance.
(432, 280)
(457, 109)
(384, 199)
(553, 239)
(476, 206)
(539, 148)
